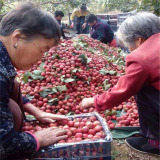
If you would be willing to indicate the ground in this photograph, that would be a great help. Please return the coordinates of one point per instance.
(120, 151)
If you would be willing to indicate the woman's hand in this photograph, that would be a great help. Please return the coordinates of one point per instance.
(49, 117)
(84, 26)
(50, 136)
(87, 102)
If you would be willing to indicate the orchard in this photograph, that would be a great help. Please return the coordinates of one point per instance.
(75, 69)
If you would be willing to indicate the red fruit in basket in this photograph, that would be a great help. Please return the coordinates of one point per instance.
(66, 127)
(82, 124)
(61, 141)
(69, 141)
(92, 131)
(85, 135)
(84, 120)
(95, 123)
(98, 128)
(78, 139)
(71, 123)
(111, 126)
(85, 129)
(100, 134)
(79, 130)
(93, 118)
(69, 133)
(76, 124)
(89, 125)
(78, 135)
(90, 136)
(74, 130)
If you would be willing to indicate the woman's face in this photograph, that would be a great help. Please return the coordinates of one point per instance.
(29, 52)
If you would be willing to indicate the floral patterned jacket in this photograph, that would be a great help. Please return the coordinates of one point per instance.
(12, 144)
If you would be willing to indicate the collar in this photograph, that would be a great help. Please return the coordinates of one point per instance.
(6, 67)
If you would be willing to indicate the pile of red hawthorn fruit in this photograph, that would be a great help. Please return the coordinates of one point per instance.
(75, 69)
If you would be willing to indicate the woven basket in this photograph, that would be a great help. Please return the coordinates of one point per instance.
(137, 155)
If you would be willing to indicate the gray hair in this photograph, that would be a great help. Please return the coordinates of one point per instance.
(140, 25)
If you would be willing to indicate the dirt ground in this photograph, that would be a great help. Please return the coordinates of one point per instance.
(120, 151)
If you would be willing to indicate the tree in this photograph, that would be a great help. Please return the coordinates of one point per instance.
(150, 5)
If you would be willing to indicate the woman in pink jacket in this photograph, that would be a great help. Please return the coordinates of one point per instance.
(141, 34)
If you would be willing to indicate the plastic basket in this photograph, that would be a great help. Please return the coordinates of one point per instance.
(79, 150)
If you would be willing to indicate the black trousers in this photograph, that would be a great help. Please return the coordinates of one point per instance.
(148, 102)
(79, 22)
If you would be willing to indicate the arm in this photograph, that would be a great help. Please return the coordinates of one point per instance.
(127, 86)
(73, 15)
(42, 116)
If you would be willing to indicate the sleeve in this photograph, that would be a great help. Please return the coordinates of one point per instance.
(73, 15)
(25, 100)
(12, 143)
(98, 33)
(127, 86)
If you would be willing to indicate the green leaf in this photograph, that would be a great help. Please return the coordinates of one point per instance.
(41, 66)
(124, 132)
(112, 72)
(30, 117)
(37, 72)
(29, 97)
(63, 44)
(84, 59)
(67, 80)
(26, 76)
(70, 113)
(34, 76)
(103, 71)
(61, 88)
(45, 92)
(67, 96)
(75, 70)
(54, 89)
(45, 54)
(107, 86)
(53, 100)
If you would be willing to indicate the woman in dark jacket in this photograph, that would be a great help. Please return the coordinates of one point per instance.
(25, 34)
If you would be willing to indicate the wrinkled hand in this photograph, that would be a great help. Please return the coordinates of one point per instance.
(72, 25)
(84, 26)
(49, 117)
(50, 136)
(87, 102)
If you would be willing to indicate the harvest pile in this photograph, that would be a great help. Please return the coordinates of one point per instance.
(75, 69)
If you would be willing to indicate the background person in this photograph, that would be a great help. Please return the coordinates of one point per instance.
(78, 17)
(58, 16)
(141, 34)
(25, 34)
(100, 29)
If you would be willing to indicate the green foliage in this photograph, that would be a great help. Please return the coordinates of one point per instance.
(150, 5)
(95, 6)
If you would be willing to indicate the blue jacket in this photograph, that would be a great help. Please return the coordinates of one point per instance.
(102, 31)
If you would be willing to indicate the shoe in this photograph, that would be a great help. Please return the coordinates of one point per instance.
(141, 144)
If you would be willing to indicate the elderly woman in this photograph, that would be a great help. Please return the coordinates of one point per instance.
(25, 34)
(141, 34)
